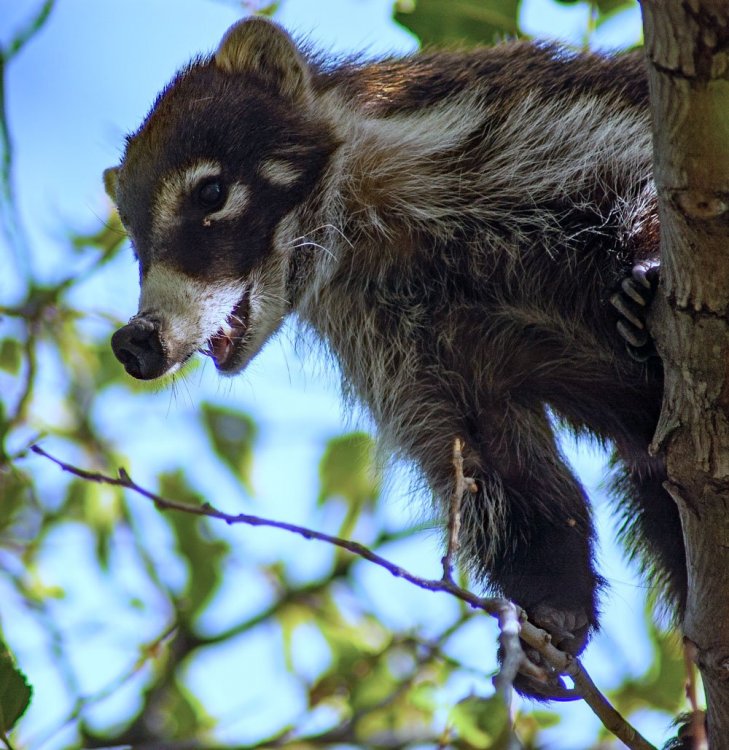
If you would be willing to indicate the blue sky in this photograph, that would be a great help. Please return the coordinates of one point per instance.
(86, 80)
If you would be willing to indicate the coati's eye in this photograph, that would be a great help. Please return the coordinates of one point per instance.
(210, 195)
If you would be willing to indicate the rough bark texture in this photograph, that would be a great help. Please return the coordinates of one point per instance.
(687, 45)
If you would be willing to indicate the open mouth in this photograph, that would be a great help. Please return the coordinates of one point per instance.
(223, 344)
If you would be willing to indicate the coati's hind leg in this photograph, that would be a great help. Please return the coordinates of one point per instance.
(632, 302)
(530, 528)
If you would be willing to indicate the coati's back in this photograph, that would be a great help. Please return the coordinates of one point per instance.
(452, 225)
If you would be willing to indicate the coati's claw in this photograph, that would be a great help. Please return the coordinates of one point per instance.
(569, 630)
(632, 303)
(621, 301)
(646, 273)
(551, 688)
(633, 336)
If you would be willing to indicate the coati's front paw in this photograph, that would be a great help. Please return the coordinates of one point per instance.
(632, 303)
(569, 630)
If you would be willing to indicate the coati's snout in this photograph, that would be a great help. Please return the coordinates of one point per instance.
(180, 315)
(138, 347)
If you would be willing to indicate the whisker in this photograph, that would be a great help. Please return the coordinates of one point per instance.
(311, 243)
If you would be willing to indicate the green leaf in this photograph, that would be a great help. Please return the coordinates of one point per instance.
(108, 238)
(99, 507)
(458, 21)
(289, 618)
(662, 686)
(15, 693)
(348, 470)
(106, 367)
(203, 553)
(183, 714)
(11, 356)
(602, 6)
(233, 435)
(15, 489)
(269, 10)
(482, 722)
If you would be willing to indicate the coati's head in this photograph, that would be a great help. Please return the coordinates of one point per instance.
(208, 191)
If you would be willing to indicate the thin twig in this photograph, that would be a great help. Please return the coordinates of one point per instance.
(84, 702)
(6, 741)
(30, 30)
(487, 604)
(513, 658)
(454, 511)
(509, 629)
(530, 634)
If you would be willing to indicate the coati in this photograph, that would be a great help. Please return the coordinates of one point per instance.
(453, 225)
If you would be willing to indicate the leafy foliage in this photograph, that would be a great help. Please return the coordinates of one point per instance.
(660, 686)
(233, 435)
(14, 691)
(348, 470)
(459, 21)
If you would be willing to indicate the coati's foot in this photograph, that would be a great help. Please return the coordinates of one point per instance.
(569, 631)
(632, 302)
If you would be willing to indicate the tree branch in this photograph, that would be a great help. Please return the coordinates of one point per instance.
(687, 44)
(535, 637)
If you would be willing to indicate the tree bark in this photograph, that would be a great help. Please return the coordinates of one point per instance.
(687, 47)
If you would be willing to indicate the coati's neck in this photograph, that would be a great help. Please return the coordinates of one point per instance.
(536, 174)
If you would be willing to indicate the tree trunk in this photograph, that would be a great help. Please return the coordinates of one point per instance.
(687, 46)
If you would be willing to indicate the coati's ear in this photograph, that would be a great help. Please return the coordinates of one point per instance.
(256, 45)
(111, 180)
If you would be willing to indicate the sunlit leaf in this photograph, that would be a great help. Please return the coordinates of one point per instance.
(662, 686)
(545, 719)
(603, 6)
(528, 726)
(290, 618)
(107, 368)
(349, 470)
(482, 722)
(268, 10)
(77, 492)
(14, 495)
(108, 238)
(458, 21)
(203, 553)
(423, 697)
(100, 507)
(233, 435)
(183, 713)
(11, 356)
(15, 692)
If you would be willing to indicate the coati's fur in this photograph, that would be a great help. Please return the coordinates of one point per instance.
(452, 225)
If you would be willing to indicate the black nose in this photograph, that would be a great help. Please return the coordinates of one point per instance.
(138, 347)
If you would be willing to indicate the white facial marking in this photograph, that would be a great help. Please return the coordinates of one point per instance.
(239, 196)
(279, 172)
(190, 310)
(171, 191)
